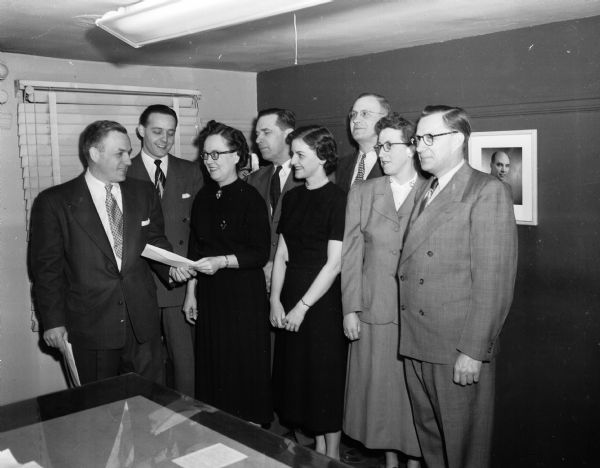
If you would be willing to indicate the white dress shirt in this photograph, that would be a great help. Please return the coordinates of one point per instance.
(151, 167)
(444, 180)
(98, 193)
(401, 191)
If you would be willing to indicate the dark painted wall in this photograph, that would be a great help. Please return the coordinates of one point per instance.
(547, 78)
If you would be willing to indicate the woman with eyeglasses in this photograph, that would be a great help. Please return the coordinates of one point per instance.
(310, 351)
(377, 411)
(230, 242)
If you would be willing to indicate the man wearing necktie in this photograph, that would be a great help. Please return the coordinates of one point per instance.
(456, 275)
(176, 182)
(91, 286)
(362, 164)
(273, 181)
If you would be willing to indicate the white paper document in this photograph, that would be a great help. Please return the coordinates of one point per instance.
(164, 256)
(7, 460)
(214, 456)
(70, 364)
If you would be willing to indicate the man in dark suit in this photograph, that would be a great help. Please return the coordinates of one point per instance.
(273, 181)
(90, 284)
(176, 181)
(363, 163)
(456, 275)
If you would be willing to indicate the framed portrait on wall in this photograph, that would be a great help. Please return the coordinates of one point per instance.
(510, 156)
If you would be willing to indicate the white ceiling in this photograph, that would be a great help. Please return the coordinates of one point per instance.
(343, 28)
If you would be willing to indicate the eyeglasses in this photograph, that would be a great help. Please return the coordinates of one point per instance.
(214, 154)
(365, 114)
(428, 138)
(387, 146)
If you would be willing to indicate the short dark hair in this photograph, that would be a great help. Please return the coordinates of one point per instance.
(94, 134)
(383, 102)
(285, 118)
(157, 109)
(455, 118)
(395, 121)
(234, 138)
(321, 141)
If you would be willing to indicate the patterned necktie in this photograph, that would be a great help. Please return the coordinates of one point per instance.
(360, 174)
(275, 188)
(159, 178)
(115, 220)
(428, 194)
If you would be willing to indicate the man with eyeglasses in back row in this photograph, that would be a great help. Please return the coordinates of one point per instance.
(363, 164)
(456, 275)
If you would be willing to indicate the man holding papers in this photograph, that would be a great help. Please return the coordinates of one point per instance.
(90, 284)
(176, 181)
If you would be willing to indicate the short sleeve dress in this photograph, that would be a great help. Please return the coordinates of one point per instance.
(232, 329)
(310, 365)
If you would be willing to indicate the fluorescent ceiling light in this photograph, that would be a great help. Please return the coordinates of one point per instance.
(151, 21)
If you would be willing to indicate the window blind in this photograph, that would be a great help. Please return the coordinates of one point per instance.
(51, 116)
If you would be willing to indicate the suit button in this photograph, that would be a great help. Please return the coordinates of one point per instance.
(122, 321)
(185, 220)
(120, 302)
(421, 281)
(394, 252)
(421, 312)
(429, 253)
(401, 277)
(402, 307)
(396, 229)
(273, 244)
(181, 242)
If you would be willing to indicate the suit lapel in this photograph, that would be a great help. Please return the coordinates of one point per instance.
(174, 181)
(383, 199)
(438, 212)
(84, 211)
(138, 170)
(130, 230)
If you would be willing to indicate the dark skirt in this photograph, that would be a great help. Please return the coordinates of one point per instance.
(309, 368)
(233, 344)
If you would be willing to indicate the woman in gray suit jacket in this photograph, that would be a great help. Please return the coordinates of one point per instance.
(377, 410)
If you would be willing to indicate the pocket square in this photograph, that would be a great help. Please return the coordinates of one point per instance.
(145, 222)
(185, 195)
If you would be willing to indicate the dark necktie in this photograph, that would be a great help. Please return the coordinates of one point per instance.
(159, 178)
(428, 194)
(275, 188)
(360, 174)
(115, 220)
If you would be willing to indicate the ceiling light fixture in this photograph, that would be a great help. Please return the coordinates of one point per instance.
(151, 21)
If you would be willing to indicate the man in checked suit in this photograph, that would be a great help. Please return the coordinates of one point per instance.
(456, 275)
(90, 284)
(176, 181)
(362, 164)
(273, 181)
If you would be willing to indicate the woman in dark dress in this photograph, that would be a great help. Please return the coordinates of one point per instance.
(230, 240)
(310, 351)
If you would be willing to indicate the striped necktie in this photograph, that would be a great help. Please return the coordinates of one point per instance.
(428, 195)
(360, 174)
(159, 178)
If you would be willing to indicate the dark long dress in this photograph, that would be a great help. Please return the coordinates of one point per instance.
(232, 328)
(310, 365)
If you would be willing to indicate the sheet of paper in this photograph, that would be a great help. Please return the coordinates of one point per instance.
(214, 456)
(70, 364)
(164, 256)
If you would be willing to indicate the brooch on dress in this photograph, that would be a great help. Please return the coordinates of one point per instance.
(219, 193)
(223, 225)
